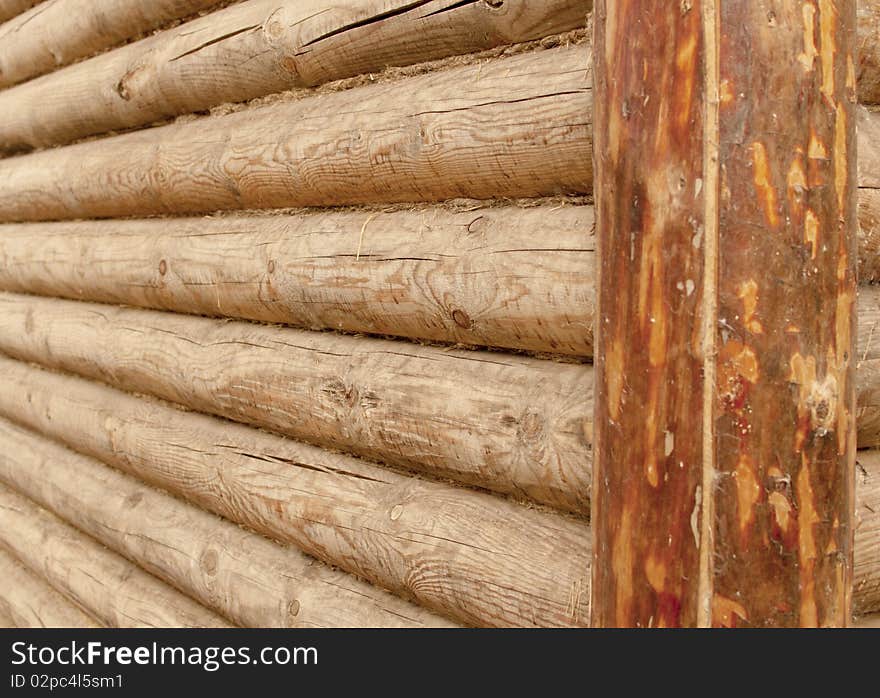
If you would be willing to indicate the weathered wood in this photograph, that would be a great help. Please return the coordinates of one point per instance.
(869, 195)
(512, 127)
(6, 620)
(30, 602)
(11, 8)
(62, 31)
(480, 277)
(726, 228)
(245, 577)
(466, 554)
(251, 49)
(109, 587)
(868, 69)
(866, 577)
(503, 422)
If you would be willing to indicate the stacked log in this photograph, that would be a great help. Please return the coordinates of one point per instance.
(252, 49)
(109, 587)
(27, 601)
(268, 586)
(516, 425)
(60, 32)
(465, 554)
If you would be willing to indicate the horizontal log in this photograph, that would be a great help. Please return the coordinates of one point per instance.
(60, 32)
(868, 72)
(468, 555)
(249, 50)
(479, 277)
(29, 602)
(109, 587)
(245, 577)
(11, 8)
(513, 424)
(6, 620)
(866, 579)
(512, 127)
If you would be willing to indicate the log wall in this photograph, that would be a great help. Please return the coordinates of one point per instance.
(385, 417)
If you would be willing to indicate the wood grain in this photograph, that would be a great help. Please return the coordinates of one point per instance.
(465, 554)
(512, 424)
(725, 418)
(479, 277)
(11, 8)
(248, 50)
(109, 587)
(250, 580)
(866, 578)
(868, 69)
(29, 602)
(59, 32)
(512, 127)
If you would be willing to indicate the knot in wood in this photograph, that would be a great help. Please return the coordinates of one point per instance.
(209, 562)
(462, 319)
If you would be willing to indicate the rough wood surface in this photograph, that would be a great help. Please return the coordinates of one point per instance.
(245, 577)
(6, 620)
(62, 31)
(869, 195)
(503, 422)
(251, 49)
(725, 427)
(479, 277)
(466, 554)
(868, 69)
(11, 8)
(110, 588)
(512, 127)
(866, 578)
(29, 602)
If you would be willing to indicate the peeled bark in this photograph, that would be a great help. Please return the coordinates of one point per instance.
(512, 424)
(249, 50)
(512, 127)
(726, 228)
(465, 554)
(109, 587)
(245, 577)
(57, 33)
(29, 602)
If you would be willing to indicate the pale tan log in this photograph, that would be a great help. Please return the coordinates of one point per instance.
(466, 554)
(59, 32)
(6, 620)
(29, 602)
(112, 589)
(866, 580)
(868, 71)
(252, 49)
(869, 195)
(245, 577)
(504, 422)
(869, 621)
(503, 276)
(512, 127)
(11, 8)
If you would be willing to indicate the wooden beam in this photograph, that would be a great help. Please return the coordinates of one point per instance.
(520, 129)
(63, 31)
(251, 49)
(243, 576)
(29, 602)
(478, 276)
(109, 587)
(468, 555)
(726, 227)
(513, 424)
